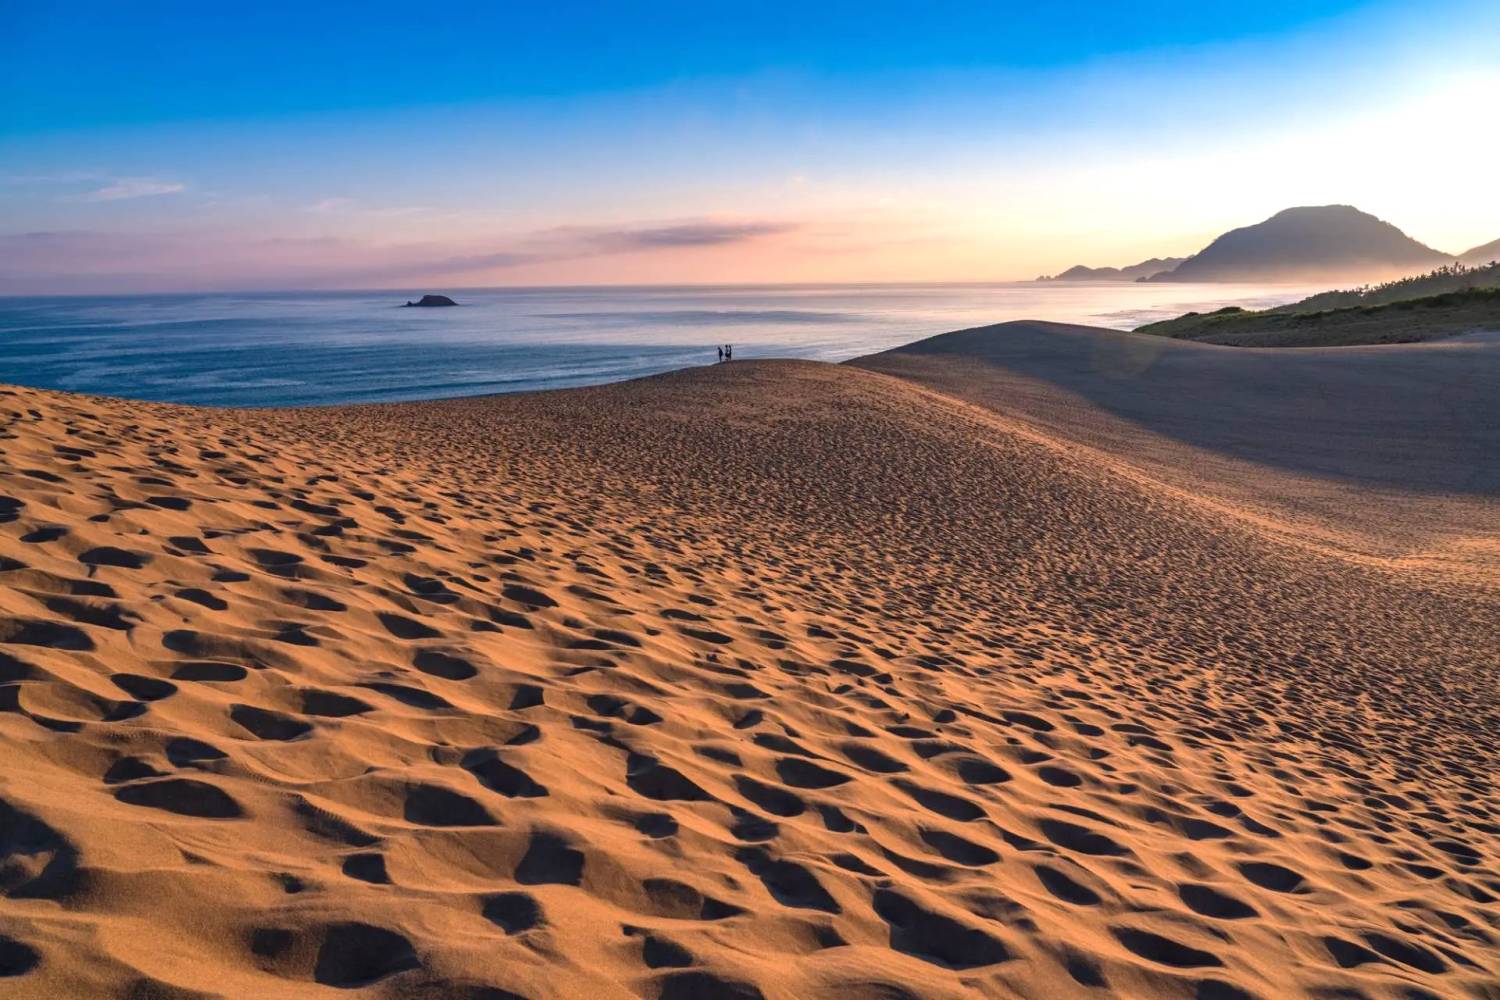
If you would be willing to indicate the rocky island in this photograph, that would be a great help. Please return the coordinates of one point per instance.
(432, 300)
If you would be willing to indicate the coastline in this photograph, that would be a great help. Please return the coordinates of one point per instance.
(312, 349)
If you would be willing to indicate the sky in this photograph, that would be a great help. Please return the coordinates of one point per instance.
(191, 147)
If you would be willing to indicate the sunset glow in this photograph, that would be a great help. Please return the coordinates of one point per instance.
(976, 148)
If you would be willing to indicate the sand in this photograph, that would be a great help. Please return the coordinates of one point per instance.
(1386, 451)
(772, 679)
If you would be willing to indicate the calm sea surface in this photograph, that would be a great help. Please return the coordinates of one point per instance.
(282, 349)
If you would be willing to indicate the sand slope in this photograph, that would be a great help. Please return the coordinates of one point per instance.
(770, 679)
(1386, 451)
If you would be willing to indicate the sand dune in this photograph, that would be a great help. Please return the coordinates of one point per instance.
(1387, 451)
(769, 679)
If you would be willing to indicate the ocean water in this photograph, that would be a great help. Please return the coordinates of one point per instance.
(308, 348)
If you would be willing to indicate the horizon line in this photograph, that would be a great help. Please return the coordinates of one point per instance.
(438, 289)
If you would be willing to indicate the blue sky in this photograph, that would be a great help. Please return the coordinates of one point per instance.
(160, 146)
(108, 64)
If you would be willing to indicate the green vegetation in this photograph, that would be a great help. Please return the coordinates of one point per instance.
(1454, 278)
(1442, 303)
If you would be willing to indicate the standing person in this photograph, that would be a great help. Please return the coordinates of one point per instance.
(721, 352)
(728, 352)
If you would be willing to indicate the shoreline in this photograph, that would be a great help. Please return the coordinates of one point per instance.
(333, 349)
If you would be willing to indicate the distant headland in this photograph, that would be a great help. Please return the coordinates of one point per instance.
(432, 300)
(1333, 243)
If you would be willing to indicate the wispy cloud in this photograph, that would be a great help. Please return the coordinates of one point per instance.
(124, 188)
(59, 177)
(41, 236)
(689, 234)
(67, 261)
(579, 242)
(353, 207)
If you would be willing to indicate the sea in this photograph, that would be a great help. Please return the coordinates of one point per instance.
(314, 348)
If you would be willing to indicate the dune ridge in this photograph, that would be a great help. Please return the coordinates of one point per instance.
(772, 679)
(1383, 454)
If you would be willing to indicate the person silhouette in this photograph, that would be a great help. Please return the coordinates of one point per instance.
(728, 352)
(721, 352)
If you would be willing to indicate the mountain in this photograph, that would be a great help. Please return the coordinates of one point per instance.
(1328, 242)
(1135, 272)
(1481, 255)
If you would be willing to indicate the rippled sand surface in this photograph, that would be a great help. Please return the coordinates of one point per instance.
(771, 679)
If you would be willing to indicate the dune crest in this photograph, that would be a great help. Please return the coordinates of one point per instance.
(772, 679)
(1382, 454)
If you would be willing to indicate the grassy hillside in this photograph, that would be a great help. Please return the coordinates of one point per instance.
(1454, 278)
(1442, 303)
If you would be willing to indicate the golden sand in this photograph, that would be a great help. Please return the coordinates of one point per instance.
(768, 679)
